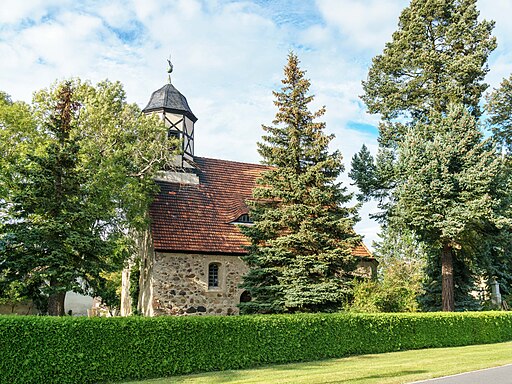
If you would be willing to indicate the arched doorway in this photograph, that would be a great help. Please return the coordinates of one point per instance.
(245, 297)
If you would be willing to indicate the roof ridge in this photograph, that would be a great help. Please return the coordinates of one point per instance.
(233, 161)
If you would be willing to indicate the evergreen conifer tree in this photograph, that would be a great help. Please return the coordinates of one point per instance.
(499, 107)
(300, 256)
(436, 58)
(447, 194)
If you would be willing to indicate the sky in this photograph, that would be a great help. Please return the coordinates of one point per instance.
(228, 57)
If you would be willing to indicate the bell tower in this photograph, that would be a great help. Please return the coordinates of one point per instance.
(173, 109)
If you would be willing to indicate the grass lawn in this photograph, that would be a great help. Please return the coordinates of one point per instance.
(396, 367)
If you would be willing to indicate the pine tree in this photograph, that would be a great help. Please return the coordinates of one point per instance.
(436, 58)
(300, 256)
(447, 194)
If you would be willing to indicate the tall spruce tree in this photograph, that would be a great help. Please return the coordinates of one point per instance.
(300, 256)
(436, 58)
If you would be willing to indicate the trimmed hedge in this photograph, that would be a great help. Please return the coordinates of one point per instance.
(82, 350)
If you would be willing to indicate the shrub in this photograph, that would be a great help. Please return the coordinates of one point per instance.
(384, 296)
(82, 350)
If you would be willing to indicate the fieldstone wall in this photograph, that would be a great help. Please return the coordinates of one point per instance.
(367, 269)
(180, 284)
(177, 283)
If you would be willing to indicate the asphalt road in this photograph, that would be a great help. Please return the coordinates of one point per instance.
(499, 375)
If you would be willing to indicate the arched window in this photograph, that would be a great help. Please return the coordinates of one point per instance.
(213, 275)
(245, 297)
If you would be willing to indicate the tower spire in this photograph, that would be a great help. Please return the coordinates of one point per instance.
(169, 68)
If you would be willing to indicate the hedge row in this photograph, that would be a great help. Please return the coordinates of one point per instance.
(82, 350)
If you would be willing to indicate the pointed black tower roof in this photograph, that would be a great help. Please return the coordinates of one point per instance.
(168, 98)
(171, 100)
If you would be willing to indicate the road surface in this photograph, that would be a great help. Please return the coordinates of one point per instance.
(499, 375)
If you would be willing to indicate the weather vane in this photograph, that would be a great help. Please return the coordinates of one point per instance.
(169, 69)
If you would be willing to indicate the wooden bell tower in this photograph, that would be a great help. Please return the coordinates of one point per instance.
(173, 109)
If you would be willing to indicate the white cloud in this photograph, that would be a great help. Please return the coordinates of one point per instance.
(228, 57)
(364, 24)
(16, 11)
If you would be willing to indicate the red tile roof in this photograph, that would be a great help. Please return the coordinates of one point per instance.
(197, 218)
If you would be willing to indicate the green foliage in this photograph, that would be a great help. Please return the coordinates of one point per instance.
(75, 178)
(12, 293)
(498, 246)
(464, 279)
(437, 57)
(82, 350)
(497, 263)
(499, 107)
(108, 288)
(302, 238)
(135, 286)
(449, 176)
(450, 195)
(401, 272)
(363, 172)
(389, 295)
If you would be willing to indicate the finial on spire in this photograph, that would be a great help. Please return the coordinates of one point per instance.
(169, 68)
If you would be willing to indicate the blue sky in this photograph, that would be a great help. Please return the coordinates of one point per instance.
(228, 57)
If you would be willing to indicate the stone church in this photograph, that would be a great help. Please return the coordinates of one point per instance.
(190, 258)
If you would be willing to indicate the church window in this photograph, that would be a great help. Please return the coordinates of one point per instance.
(244, 219)
(213, 275)
(173, 135)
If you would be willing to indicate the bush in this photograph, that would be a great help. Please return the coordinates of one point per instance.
(82, 350)
(384, 296)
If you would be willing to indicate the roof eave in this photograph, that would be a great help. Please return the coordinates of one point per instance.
(189, 114)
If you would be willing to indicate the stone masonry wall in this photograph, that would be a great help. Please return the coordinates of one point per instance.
(180, 284)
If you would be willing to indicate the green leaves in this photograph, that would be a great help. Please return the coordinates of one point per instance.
(433, 173)
(75, 180)
(448, 177)
(70, 350)
(499, 107)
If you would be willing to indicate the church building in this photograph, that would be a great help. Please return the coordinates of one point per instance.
(190, 258)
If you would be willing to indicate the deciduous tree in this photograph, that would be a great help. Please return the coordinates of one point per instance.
(75, 178)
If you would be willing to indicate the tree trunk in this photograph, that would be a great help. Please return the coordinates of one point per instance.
(56, 302)
(448, 286)
(126, 299)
